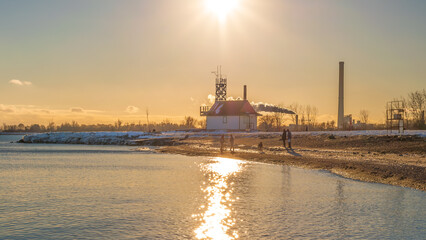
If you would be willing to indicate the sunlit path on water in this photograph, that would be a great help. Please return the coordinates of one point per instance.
(216, 220)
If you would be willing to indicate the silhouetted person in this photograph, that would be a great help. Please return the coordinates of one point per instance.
(260, 146)
(289, 138)
(222, 142)
(284, 136)
(231, 140)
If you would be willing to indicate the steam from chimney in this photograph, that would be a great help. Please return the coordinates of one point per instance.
(264, 107)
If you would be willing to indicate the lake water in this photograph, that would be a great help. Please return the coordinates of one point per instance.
(113, 192)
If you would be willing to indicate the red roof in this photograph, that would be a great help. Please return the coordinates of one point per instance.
(231, 108)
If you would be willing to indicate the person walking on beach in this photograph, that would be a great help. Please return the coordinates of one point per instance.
(289, 138)
(284, 137)
(231, 140)
(222, 143)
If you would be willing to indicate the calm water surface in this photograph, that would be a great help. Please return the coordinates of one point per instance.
(113, 192)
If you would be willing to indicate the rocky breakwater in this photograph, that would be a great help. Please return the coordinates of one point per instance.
(102, 138)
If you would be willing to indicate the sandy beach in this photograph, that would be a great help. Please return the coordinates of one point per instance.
(395, 160)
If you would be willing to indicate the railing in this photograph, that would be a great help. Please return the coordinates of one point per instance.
(204, 110)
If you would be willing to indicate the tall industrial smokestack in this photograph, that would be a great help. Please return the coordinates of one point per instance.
(341, 113)
(245, 92)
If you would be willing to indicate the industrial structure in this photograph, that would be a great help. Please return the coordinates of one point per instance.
(229, 114)
(341, 112)
(395, 115)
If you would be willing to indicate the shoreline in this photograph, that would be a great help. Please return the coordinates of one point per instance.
(399, 169)
(387, 159)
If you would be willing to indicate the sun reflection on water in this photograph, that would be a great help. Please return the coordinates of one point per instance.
(216, 220)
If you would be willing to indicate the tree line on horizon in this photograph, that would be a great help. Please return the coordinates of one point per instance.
(73, 126)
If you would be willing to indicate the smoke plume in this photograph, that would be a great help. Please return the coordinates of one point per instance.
(264, 107)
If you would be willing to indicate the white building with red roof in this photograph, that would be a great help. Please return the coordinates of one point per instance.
(231, 115)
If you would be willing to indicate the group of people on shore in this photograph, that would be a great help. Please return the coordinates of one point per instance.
(286, 136)
(231, 141)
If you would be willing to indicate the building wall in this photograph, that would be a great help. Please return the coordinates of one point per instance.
(248, 122)
(232, 123)
(244, 122)
(253, 122)
(217, 123)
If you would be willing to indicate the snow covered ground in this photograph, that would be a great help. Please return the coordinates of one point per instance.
(129, 138)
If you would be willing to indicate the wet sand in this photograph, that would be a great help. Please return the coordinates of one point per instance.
(391, 160)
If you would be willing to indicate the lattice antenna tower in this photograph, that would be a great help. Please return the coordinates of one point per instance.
(220, 85)
(395, 116)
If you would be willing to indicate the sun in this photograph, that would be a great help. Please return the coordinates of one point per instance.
(221, 8)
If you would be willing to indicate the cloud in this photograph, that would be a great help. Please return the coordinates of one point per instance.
(43, 111)
(6, 109)
(192, 99)
(211, 98)
(77, 110)
(132, 109)
(20, 83)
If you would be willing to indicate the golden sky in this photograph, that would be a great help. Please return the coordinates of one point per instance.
(100, 60)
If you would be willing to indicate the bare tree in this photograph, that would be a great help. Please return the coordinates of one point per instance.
(363, 116)
(50, 127)
(295, 107)
(189, 122)
(302, 117)
(203, 123)
(21, 127)
(266, 123)
(117, 124)
(416, 104)
(277, 119)
(311, 115)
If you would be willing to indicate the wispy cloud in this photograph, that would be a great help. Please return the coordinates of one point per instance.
(20, 83)
(77, 110)
(6, 109)
(132, 109)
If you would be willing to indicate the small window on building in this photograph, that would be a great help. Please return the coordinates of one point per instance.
(225, 119)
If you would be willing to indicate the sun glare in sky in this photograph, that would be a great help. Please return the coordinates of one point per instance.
(221, 8)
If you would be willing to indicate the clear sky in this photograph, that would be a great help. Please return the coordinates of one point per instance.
(99, 60)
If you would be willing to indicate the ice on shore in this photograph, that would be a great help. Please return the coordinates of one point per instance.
(129, 138)
(101, 138)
